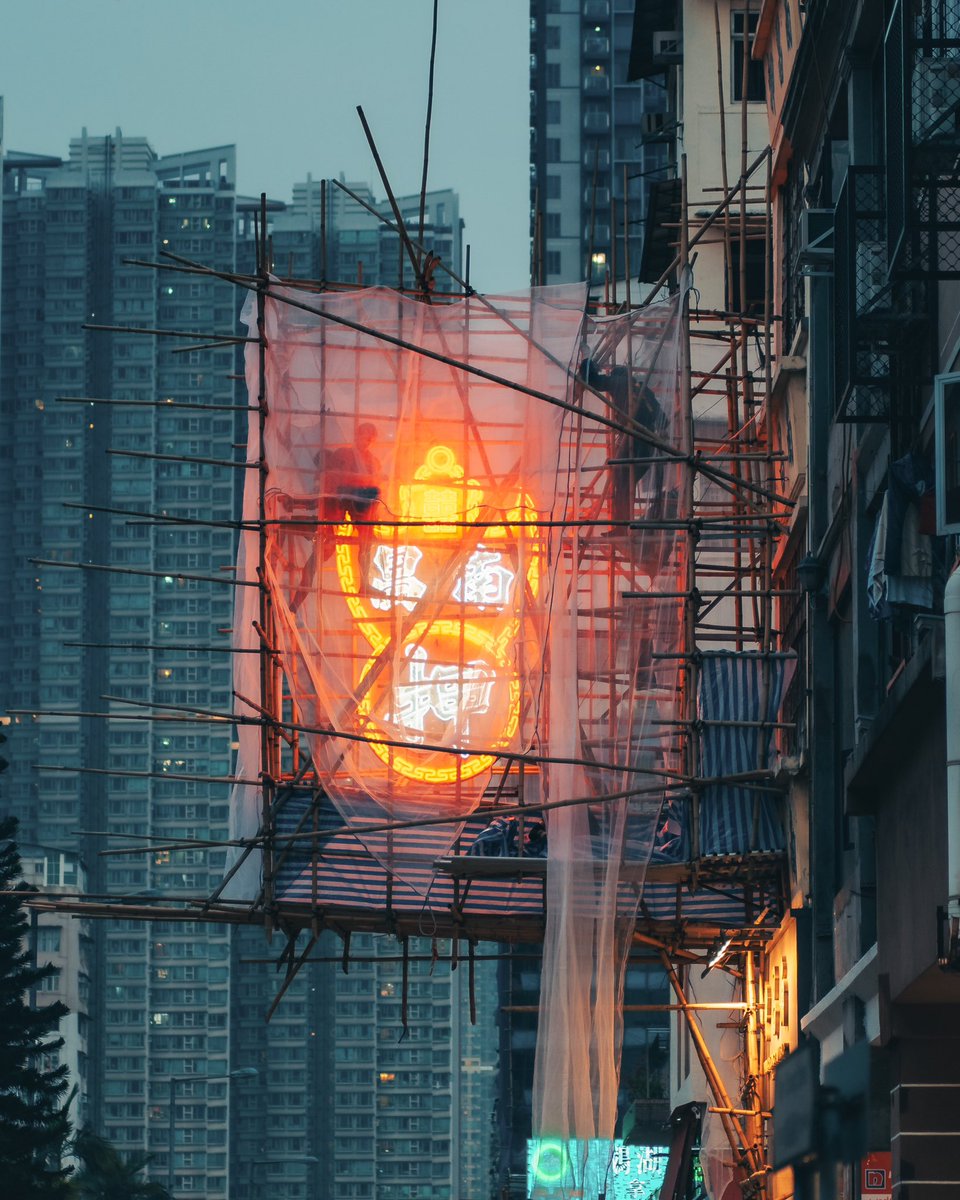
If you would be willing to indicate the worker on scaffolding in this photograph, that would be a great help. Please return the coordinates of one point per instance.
(635, 406)
(349, 490)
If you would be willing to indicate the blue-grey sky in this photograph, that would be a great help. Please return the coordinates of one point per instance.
(282, 81)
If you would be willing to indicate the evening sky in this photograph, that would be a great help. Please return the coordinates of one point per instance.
(282, 82)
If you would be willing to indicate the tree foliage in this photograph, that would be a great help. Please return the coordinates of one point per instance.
(34, 1124)
(106, 1174)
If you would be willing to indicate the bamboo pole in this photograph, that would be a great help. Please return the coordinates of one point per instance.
(402, 229)
(269, 742)
(748, 1161)
(176, 576)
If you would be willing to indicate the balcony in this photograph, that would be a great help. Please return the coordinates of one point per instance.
(596, 46)
(596, 83)
(922, 91)
(863, 300)
(596, 156)
(596, 122)
(877, 320)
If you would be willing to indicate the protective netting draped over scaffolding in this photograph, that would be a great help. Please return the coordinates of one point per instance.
(460, 574)
(614, 702)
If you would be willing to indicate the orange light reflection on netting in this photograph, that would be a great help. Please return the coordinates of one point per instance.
(404, 556)
(447, 559)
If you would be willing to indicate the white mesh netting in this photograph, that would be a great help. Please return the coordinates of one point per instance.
(446, 558)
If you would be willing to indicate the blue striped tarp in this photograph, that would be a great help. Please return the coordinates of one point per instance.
(344, 875)
(737, 820)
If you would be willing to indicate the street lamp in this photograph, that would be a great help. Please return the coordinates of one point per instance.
(239, 1073)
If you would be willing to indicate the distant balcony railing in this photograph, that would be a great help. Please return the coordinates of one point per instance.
(863, 351)
(596, 46)
(881, 323)
(596, 156)
(922, 97)
(596, 122)
(595, 82)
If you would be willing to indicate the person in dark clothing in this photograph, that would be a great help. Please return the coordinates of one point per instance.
(350, 489)
(641, 408)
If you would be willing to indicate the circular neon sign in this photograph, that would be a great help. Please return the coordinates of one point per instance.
(550, 1162)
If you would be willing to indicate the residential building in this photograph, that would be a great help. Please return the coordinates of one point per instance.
(61, 942)
(861, 104)
(597, 139)
(79, 636)
(350, 1102)
(326, 233)
(866, 216)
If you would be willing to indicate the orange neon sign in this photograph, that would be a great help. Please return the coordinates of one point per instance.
(440, 606)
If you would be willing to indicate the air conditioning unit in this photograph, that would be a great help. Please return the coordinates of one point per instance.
(816, 237)
(870, 274)
(936, 99)
(667, 47)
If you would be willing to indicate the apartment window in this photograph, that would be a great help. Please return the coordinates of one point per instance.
(551, 75)
(755, 86)
(48, 939)
(553, 150)
(553, 187)
(753, 302)
(51, 983)
(553, 112)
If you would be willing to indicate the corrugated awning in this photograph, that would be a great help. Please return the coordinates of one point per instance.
(333, 874)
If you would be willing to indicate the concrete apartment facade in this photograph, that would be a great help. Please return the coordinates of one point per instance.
(596, 140)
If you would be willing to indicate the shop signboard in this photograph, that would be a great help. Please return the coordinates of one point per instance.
(876, 1176)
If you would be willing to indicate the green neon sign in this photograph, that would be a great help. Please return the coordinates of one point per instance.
(551, 1172)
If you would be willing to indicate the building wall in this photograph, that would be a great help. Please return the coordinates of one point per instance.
(700, 115)
(911, 808)
(65, 944)
(876, 747)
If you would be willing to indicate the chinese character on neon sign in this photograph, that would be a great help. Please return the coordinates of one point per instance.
(437, 597)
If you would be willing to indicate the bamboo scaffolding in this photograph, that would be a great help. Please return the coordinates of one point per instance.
(154, 403)
(176, 576)
(753, 516)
